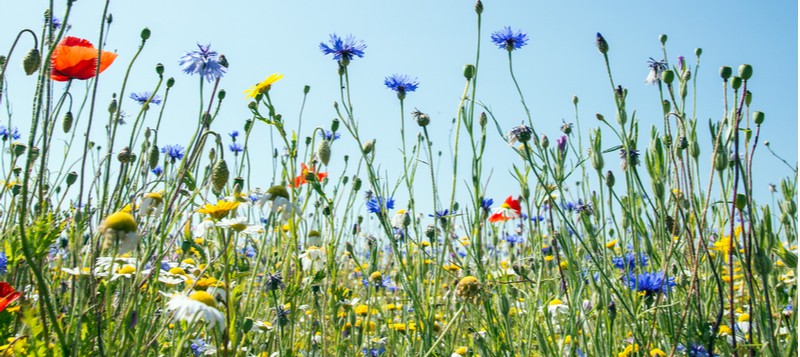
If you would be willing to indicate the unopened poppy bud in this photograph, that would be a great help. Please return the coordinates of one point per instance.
(356, 184)
(306, 89)
(698, 51)
(602, 45)
(72, 176)
(221, 94)
(469, 71)
(124, 155)
(368, 147)
(600, 117)
(758, 117)
(159, 69)
(248, 124)
(668, 76)
(741, 201)
(745, 71)
(686, 75)
(152, 157)
(220, 175)
(662, 38)
(725, 72)
(479, 7)
(109, 18)
(335, 125)
(575, 100)
(170, 82)
(736, 82)
(207, 119)
(66, 124)
(145, 34)
(748, 98)
(666, 106)
(324, 151)
(545, 141)
(112, 107)
(422, 119)
(482, 119)
(32, 61)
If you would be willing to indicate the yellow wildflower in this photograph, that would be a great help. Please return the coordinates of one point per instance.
(263, 86)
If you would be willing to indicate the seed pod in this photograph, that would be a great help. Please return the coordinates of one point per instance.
(745, 71)
(725, 72)
(668, 76)
(324, 151)
(356, 184)
(32, 61)
(758, 117)
(219, 175)
(18, 148)
(469, 71)
(736, 82)
(66, 124)
(71, 178)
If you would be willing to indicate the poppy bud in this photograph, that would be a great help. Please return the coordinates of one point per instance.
(32, 61)
(66, 124)
(666, 106)
(545, 141)
(207, 119)
(152, 157)
(145, 34)
(741, 201)
(745, 71)
(368, 147)
(482, 119)
(758, 117)
(602, 45)
(356, 184)
(324, 151)
(335, 125)
(600, 117)
(219, 175)
(479, 7)
(124, 155)
(748, 98)
(306, 89)
(422, 119)
(575, 100)
(170, 82)
(112, 107)
(221, 94)
(469, 71)
(668, 76)
(609, 179)
(71, 178)
(736, 82)
(698, 51)
(662, 38)
(725, 72)
(159, 69)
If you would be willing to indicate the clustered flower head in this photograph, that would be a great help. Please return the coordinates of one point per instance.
(656, 67)
(343, 50)
(120, 232)
(378, 206)
(508, 39)
(174, 152)
(203, 61)
(649, 284)
(521, 133)
(401, 84)
(142, 98)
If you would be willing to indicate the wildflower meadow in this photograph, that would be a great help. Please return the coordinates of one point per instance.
(139, 218)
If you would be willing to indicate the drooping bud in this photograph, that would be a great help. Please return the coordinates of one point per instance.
(32, 61)
(602, 45)
(124, 155)
(221, 94)
(324, 151)
(220, 175)
(66, 124)
(152, 157)
(170, 82)
(758, 118)
(745, 71)
(145, 34)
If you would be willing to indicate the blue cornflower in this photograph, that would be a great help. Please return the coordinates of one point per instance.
(401, 83)
(55, 23)
(377, 205)
(198, 347)
(234, 134)
(236, 148)
(247, 251)
(547, 250)
(651, 283)
(696, 350)
(330, 135)
(142, 98)
(508, 39)
(628, 262)
(513, 238)
(5, 133)
(165, 266)
(486, 204)
(203, 61)
(343, 50)
(174, 152)
(3, 263)
(374, 352)
(157, 171)
(440, 214)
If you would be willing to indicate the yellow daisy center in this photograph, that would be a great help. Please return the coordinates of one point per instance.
(203, 297)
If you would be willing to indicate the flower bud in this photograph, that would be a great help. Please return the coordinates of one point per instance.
(66, 124)
(602, 45)
(545, 142)
(72, 176)
(18, 149)
(721, 160)
(223, 61)
(597, 160)
(469, 71)
(306, 89)
(422, 119)
(748, 98)
(668, 76)
(479, 7)
(662, 38)
(745, 71)
(159, 69)
(741, 201)
(145, 34)
(34, 153)
(221, 94)
(482, 119)
(152, 157)
(124, 155)
(698, 51)
(356, 183)
(170, 82)
(574, 100)
(324, 151)
(736, 82)
(694, 148)
(725, 72)
(32, 61)
(609, 179)
(666, 106)
(758, 117)
(368, 147)
(600, 117)
(219, 175)
(112, 107)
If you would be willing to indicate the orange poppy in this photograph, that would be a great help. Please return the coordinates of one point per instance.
(7, 295)
(304, 171)
(510, 209)
(76, 58)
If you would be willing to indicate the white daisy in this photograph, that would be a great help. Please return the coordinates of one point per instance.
(151, 204)
(279, 197)
(201, 230)
(313, 257)
(198, 305)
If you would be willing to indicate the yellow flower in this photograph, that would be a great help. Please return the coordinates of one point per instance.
(263, 86)
(725, 330)
(219, 210)
(362, 310)
(451, 267)
(468, 287)
(629, 350)
(461, 351)
(568, 339)
(611, 244)
(657, 353)
(120, 231)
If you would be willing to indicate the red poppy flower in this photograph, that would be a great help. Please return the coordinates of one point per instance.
(304, 172)
(7, 295)
(76, 58)
(510, 209)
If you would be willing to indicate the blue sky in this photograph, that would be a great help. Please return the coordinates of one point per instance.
(432, 40)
